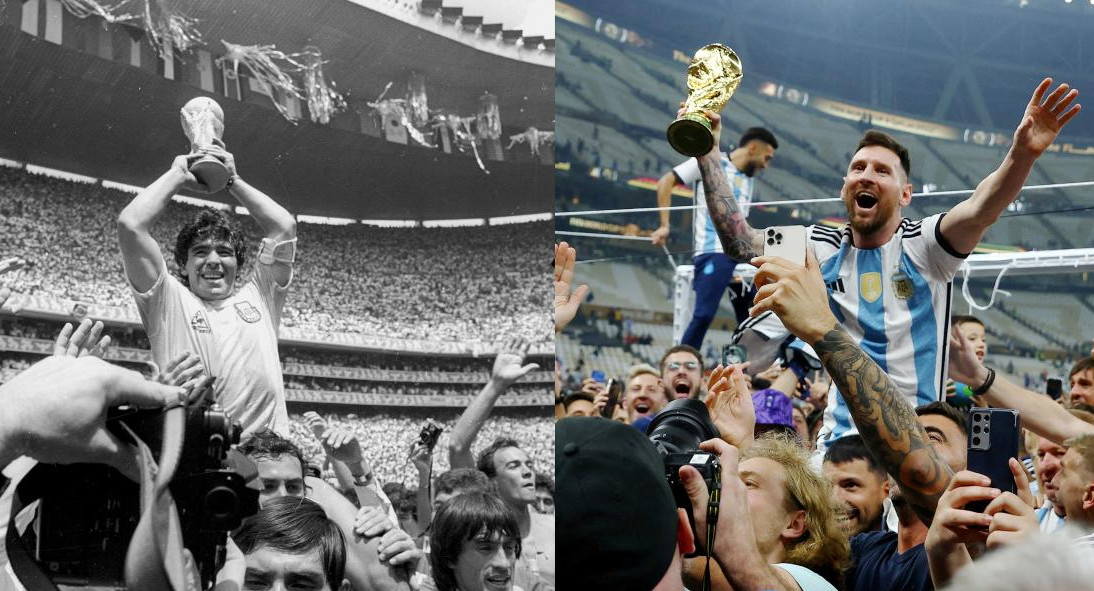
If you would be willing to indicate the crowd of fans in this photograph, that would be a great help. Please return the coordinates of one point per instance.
(399, 283)
(391, 388)
(387, 437)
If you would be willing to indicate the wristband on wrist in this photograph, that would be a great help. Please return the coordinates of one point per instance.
(363, 480)
(987, 383)
(232, 180)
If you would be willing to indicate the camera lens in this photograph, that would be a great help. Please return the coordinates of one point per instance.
(221, 503)
(681, 427)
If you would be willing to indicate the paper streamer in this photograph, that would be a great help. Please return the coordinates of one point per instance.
(323, 100)
(534, 137)
(397, 109)
(167, 29)
(111, 13)
(263, 62)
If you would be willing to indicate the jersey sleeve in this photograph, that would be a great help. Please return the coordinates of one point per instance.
(271, 294)
(158, 303)
(928, 249)
(688, 171)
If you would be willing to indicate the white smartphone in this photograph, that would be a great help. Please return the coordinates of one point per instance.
(787, 242)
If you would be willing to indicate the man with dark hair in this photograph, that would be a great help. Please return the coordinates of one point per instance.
(682, 372)
(475, 544)
(231, 325)
(280, 463)
(374, 559)
(889, 278)
(510, 470)
(713, 269)
(1081, 382)
(290, 544)
(859, 482)
(578, 404)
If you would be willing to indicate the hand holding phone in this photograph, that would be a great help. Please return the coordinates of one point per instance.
(788, 242)
(992, 441)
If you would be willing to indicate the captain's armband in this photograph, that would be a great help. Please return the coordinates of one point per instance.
(280, 252)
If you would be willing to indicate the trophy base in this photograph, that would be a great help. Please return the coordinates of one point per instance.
(211, 172)
(690, 135)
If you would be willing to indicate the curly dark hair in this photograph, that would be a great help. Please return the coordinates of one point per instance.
(209, 224)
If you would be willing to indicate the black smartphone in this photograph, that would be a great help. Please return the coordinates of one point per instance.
(993, 440)
(1054, 388)
(615, 388)
(733, 354)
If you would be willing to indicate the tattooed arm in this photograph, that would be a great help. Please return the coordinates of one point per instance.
(740, 241)
(886, 421)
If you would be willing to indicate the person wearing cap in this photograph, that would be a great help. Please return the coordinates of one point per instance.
(618, 526)
(776, 526)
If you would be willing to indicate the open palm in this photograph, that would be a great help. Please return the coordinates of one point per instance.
(1045, 117)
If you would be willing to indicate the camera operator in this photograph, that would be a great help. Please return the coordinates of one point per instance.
(374, 562)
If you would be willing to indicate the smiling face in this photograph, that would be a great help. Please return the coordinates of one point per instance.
(874, 190)
(645, 397)
(973, 333)
(515, 479)
(861, 491)
(486, 563)
(682, 375)
(211, 268)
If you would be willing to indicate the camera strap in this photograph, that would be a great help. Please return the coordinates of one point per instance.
(713, 502)
(155, 559)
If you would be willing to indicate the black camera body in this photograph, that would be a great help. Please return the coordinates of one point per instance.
(88, 512)
(676, 432)
(431, 432)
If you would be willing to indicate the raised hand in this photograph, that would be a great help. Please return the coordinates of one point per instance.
(85, 341)
(964, 366)
(55, 412)
(316, 423)
(342, 446)
(729, 400)
(187, 372)
(371, 522)
(1045, 117)
(508, 368)
(181, 165)
(566, 303)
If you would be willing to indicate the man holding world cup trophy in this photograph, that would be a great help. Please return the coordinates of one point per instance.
(713, 76)
(888, 277)
(202, 321)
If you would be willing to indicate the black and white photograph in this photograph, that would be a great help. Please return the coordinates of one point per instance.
(274, 303)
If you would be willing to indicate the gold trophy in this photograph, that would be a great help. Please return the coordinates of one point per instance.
(713, 77)
(203, 122)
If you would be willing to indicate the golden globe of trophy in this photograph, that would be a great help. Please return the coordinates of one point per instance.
(713, 77)
(203, 122)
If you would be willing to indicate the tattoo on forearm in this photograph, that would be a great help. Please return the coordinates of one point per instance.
(734, 232)
(886, 421)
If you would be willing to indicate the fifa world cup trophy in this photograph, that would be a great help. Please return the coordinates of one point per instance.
(713, 77)
(203, 122)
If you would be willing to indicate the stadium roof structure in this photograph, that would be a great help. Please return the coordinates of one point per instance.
(67, 108)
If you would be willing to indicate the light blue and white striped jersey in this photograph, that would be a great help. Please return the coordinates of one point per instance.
(894, 301)
(706, 236)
